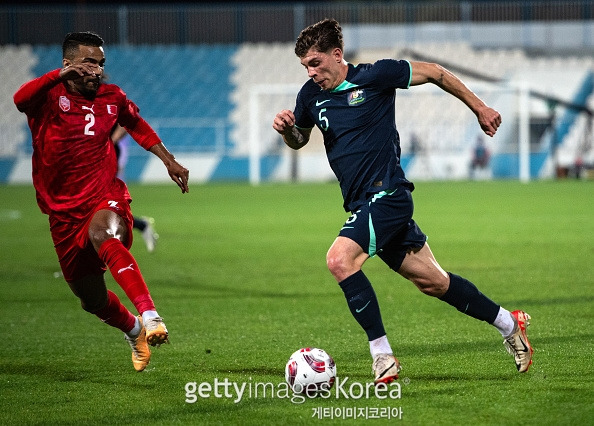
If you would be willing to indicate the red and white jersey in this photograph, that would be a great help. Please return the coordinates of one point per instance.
(74, 161)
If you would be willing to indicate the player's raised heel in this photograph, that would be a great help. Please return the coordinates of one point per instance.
(517, 343)
(141, 353)
(385, 368)
(156, 332)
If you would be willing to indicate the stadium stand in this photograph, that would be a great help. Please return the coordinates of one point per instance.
(199, 100)
(181, 90)
(575, 155)
(183, 84)
(17, 68)
(564, 78)
(262, 64)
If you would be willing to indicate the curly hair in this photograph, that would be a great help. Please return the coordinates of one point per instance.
(322, 36)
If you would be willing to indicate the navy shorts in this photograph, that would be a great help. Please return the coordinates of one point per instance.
(384, 226)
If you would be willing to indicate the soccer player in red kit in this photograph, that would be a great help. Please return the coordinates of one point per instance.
(71, 114)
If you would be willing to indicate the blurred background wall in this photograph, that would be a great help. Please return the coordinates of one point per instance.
(210, 77)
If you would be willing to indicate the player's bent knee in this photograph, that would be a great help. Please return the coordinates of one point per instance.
(97, 236)
(334, 264)
(339, 267)
(91, 291)
(93, 306)
(104, 226)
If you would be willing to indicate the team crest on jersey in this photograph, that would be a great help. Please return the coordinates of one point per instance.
(356, 97)
(112, 109)
(64, 103)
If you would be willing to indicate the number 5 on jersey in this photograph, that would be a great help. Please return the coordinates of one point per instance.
(324, 125)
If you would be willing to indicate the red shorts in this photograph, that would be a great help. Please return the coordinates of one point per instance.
(76, 254)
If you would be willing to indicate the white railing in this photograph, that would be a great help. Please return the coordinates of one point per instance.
(187, 143)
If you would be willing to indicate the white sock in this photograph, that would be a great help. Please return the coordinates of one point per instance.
(146, 315)
(135, 330)
(380, 346)
(504, 322)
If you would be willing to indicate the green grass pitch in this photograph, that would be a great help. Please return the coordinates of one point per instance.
(239, 275)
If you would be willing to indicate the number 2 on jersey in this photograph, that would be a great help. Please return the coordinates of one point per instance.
(91, 122)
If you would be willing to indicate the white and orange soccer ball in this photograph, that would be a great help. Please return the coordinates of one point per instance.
(310, 370)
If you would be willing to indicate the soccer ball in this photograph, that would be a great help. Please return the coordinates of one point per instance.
(310, 370)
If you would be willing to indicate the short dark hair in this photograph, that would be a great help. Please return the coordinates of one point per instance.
(73, 40)
(322, 36)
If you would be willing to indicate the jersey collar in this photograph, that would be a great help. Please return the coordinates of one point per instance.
(345, 85)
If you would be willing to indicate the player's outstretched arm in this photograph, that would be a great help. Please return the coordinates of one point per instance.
(34, 91)
(145, 136)
(284, 124)
(426, 72)
(178, 173)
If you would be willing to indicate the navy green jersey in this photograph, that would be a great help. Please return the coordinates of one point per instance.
(358, 122)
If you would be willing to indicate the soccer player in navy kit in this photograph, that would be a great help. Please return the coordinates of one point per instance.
(354, 108)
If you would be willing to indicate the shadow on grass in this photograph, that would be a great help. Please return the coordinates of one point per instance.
(218, 291)
(64, 372)
(570, 300)
(257, 371)
(433, 349)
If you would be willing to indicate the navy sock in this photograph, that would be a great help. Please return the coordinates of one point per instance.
(464, 296)
(363, 304)
(139, 223)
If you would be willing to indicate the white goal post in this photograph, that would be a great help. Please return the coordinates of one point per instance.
(261, 124)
